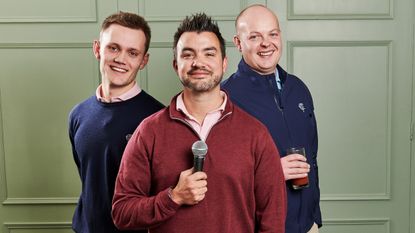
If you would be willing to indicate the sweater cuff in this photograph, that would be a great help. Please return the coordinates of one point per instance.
(168, 204)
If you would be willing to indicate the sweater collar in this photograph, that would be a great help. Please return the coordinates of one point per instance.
(174, 113)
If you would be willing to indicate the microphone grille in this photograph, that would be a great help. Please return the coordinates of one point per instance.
(199, 148)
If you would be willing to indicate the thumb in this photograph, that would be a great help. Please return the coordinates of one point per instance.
(188, 172)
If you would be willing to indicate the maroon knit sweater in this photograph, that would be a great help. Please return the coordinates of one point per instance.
(246, 187)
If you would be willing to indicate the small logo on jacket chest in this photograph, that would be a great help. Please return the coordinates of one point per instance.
(301, 106)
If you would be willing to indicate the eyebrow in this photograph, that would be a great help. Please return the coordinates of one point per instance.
(275, 29)
(210, 49)
(188, 49)
(128, 48)
(113, 44)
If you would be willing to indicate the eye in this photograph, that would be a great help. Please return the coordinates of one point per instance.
(274, 35)
(211, 54)
(113, 48)
(133, 53)
(187, 55)
(255, 37)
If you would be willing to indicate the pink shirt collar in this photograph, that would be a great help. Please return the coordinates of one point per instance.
(135, 90)
(211, 118)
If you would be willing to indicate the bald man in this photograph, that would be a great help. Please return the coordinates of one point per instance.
(284, 104)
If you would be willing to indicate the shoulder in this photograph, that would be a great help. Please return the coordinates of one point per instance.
(80, 112)
(295, 83)
(82, 106)
(149, 100)
(294, 80)
(233, 80)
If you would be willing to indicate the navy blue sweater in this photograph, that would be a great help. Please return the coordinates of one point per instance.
(99, 133)
(290, 120)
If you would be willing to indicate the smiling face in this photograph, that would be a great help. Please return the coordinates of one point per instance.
(199, 63)
(121, 54)
(259, 39)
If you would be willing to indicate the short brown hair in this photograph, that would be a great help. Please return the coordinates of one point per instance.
(129, 20)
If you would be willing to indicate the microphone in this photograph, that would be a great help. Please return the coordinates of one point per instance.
(199, 149)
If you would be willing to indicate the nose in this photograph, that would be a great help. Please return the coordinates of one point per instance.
(197, 63)
(119, 58)
(265, 42)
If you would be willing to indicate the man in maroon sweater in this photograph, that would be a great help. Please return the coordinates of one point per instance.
(241, 188)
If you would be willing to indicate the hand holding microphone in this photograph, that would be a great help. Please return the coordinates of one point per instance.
(192, 185)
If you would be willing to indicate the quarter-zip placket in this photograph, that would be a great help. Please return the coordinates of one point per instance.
(194, 131)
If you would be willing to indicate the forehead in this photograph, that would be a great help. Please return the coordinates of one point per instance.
(198, 41)
(257, 19)
(123, 36)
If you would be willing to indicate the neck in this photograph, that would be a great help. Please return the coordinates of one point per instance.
(200, 104)
(108, 91)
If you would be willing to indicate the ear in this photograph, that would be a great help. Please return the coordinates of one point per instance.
(224, 64)
(144, 61)
(237, 42)
(95, 48)
(175, 65)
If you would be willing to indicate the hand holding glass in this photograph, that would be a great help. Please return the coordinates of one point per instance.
(298, 183)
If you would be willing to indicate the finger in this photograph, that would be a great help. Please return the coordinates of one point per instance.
(303, 165)
(294, 157)
(291, 177)
(297, 164)
(199, 184)
(199, 176)
(202, 190)
(200, 197)
(295, 171)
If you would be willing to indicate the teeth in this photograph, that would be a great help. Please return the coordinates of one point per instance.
(265, 53)
(118, 69)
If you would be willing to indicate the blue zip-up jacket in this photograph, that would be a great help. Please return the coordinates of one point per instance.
(290, 120)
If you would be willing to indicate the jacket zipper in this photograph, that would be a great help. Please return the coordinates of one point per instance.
(275, 96)
(282, 111)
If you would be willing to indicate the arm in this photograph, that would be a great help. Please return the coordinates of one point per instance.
(72, 129)
(270, 193)
(314, 151)
(132, 207)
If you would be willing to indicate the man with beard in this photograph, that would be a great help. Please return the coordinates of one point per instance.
(241, 187)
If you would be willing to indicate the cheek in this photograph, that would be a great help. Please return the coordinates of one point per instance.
(136, 64)
(181, 68)
(106, 57)
(277, 43)
(252, 49)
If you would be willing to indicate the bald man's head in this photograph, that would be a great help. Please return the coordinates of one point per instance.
(255, 10)
(259, 38)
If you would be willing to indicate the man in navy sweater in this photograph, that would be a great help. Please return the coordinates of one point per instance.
(283, 103)
(100, 126)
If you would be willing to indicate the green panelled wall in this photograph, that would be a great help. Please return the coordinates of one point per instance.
(356, 56)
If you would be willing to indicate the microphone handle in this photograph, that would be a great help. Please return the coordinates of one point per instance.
(198, 164)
